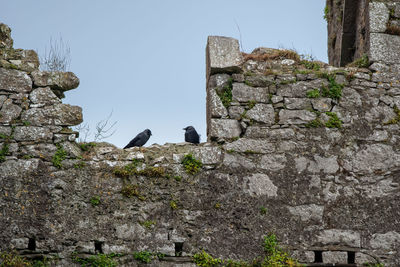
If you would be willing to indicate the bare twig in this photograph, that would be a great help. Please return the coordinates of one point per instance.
(240, 35)
(103, 128)
(58, 57)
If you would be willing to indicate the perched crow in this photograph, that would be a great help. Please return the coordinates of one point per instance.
(191, 135)
(140, 139)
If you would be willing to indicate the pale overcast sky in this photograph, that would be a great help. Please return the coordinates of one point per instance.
(145, 60)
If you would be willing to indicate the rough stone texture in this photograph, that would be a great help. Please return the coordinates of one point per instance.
(60, 114)
(339, 237)
(32, 133)
(223, 55)
(308, 212)
(384, 48)
(43, 96)
(262, 113)
(9, 112)
(221, 128)
(379, 17)
(15, 81)
(334, 256)
(295, 116)
(387, 241)
(297, 103)
(245, 93)
(57, 81)
(259, 184)
(250, 145)
(322, 104)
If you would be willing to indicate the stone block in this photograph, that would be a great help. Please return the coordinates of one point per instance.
(43, 151)
(9, 112)
(43, 96)
(324, 164)
(208, 155)
(297, 103)
(262, 113)
(218, 81)
(334, 256)
(245, 93)
(217, 109)
(370, 159)
(58, 81)
(260, 80)
(59, 114)
(259, 184)
(223, 55)
(223, 128)
(19, 243)
(386, 241)
(16, 168)
(237, 161)
(378, 17)
(384, 48)
(15, 81)
(296, 116)
(322, 104)
(339, 237)
(273, 162)
(3, 98)
(308, 212)
(236, 112)
(32, 133)
(250, 145)
(270, 134)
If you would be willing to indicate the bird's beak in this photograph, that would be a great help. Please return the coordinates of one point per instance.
(184, 129)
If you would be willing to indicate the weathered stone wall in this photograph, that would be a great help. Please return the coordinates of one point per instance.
(302, 149)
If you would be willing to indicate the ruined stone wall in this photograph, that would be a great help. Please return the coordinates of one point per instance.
(357, 28)
(301, 149)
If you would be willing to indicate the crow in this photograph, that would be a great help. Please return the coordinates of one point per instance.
(191, 135)
(140, 139)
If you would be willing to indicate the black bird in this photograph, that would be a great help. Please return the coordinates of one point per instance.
(191, 135)
(139, 139)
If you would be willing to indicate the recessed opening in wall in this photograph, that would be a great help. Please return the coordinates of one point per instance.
(351, 257)
(98, 246)
(318, 256)
(178, 249)
(32, 244)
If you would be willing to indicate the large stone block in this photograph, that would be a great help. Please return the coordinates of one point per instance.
(217, 109)
(43, 96)
(259, 184)
(262, 113)
(339, 237)
(223, 55)
(378, 17)
(296, 116)
(384, 47)
(245, 93)
(250, 145)
(386, 241)
(308, 212)
(334, 256)
(372, 158)
(15, 81)
(57, 81)
(60, 114)
(9, 112)
(32, 133)
(223, 128)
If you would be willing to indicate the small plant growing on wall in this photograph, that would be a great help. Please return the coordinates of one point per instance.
(191, 165)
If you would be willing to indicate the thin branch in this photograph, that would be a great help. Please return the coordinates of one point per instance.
(240, 35)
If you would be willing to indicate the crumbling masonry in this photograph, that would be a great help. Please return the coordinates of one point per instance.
(307, 151)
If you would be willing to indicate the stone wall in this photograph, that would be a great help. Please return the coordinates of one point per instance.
(307, 151)
(357, 28)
